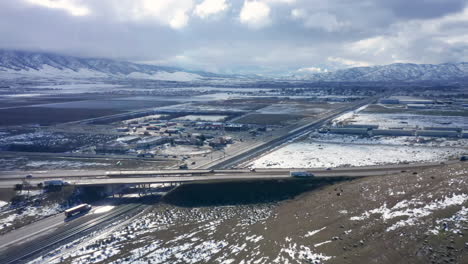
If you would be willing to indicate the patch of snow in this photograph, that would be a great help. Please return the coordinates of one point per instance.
(413, 210)
(185, 150)
(455, 224)
(311, 233)
(30, 192)
(299, 254)
(103, 209)
(254, 238)
(322, 243)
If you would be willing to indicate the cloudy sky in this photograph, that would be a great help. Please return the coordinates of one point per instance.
(263, 36)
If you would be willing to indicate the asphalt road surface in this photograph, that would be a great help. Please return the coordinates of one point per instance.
(34, 240)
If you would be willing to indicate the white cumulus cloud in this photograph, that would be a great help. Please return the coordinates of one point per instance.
(348, 62)
(255, 14)
(179, 20)
(173, 13)
(70, 6)
(210, 7)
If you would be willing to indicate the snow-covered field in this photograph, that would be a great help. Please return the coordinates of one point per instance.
(288, 109)
(166, 76)
(144, 119)
(315, 155)
(28, 163)
(185, 150)
(199, 241)
(333, 150)
(9, 217)
(210, 118)
(405, 120)
(389, 140)
(81, 87)
(55, 164)
(27, 137)
(348, 115)
(189, 107)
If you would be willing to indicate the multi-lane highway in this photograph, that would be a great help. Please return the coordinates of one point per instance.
(39, 238)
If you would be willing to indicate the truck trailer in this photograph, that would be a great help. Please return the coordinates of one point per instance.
(54, 183)
(301, 174)
(77, 210)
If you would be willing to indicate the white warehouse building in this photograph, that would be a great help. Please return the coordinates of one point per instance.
(437, 133)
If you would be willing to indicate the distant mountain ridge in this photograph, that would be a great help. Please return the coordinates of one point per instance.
(27, 64)
(398, 72)
(39, 64)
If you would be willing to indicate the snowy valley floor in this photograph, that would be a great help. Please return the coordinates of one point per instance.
(329, 150)
(412, 217)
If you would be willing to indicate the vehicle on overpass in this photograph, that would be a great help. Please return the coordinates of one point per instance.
(77, 210)
(301, 174)
(54, 183)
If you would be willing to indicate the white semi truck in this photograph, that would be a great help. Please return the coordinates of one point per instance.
(77, 210)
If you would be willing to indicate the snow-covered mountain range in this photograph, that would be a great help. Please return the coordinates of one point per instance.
(406, 72)
(24, 64)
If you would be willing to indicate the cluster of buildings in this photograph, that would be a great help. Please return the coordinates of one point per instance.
(373, 130)
(423, 103)
(406, 100)
(410, 103)
(144, 135)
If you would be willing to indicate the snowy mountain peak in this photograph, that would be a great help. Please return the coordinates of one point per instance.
(19, 64)
(406, 72)
(25, 64)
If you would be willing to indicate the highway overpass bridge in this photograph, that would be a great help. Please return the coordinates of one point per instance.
(100, 178)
